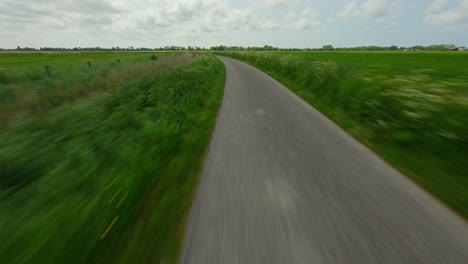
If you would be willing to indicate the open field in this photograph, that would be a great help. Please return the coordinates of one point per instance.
(26, 87)
(410, 108)
(110, 176)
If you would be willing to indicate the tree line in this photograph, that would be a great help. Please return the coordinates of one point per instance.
(130, 48)
(437, 47)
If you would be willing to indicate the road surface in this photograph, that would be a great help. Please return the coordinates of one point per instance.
(283, 184)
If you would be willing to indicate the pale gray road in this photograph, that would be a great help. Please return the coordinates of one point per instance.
(283, 184)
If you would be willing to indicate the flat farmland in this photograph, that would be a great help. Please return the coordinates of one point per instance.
(31, 82)
(397, 61)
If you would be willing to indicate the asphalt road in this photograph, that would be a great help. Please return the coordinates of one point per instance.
(283, 184)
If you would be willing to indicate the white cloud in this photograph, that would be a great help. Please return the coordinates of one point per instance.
(351, 10)
(367, 9)
(375, 8)
(58, 14)
(280, 4)
(276, 3)
(198, 15)
(143, 19)
(439, 14)
(306, 19)
(438, 5)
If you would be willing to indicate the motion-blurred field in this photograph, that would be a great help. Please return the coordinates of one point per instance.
(410, 107)
(26, 86)
(100, 163)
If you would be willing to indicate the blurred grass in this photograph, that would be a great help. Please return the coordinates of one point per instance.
(25, 86)
(111, 178)
(410, 108)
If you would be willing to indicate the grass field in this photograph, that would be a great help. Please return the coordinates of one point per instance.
(26, 87)
(109, 176)
(410, 108)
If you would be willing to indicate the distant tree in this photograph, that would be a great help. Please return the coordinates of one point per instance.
(393, 48)
(328, 47)
(267, 47)
(441, 46)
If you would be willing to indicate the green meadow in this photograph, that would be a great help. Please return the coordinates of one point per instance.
(34, 82)
(100, 163)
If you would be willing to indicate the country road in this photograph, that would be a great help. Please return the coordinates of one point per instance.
(283, 184)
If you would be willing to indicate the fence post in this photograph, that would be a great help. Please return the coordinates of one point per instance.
(47, 69)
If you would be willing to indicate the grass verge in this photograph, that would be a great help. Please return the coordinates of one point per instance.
(109, 179)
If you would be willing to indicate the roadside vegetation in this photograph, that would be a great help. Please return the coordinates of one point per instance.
(410, 108)
(109, 177)
(34, 82)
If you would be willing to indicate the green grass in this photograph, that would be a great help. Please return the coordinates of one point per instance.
(443, 64)
(126, 161)
(25, 86)
(410, 108)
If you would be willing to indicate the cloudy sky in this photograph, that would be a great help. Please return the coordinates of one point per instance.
(282, 23)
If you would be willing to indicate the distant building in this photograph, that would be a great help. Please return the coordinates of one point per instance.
(458, 49)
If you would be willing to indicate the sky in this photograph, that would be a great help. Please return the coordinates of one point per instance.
(205, 23)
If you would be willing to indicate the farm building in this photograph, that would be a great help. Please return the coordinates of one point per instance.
(458, 49)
